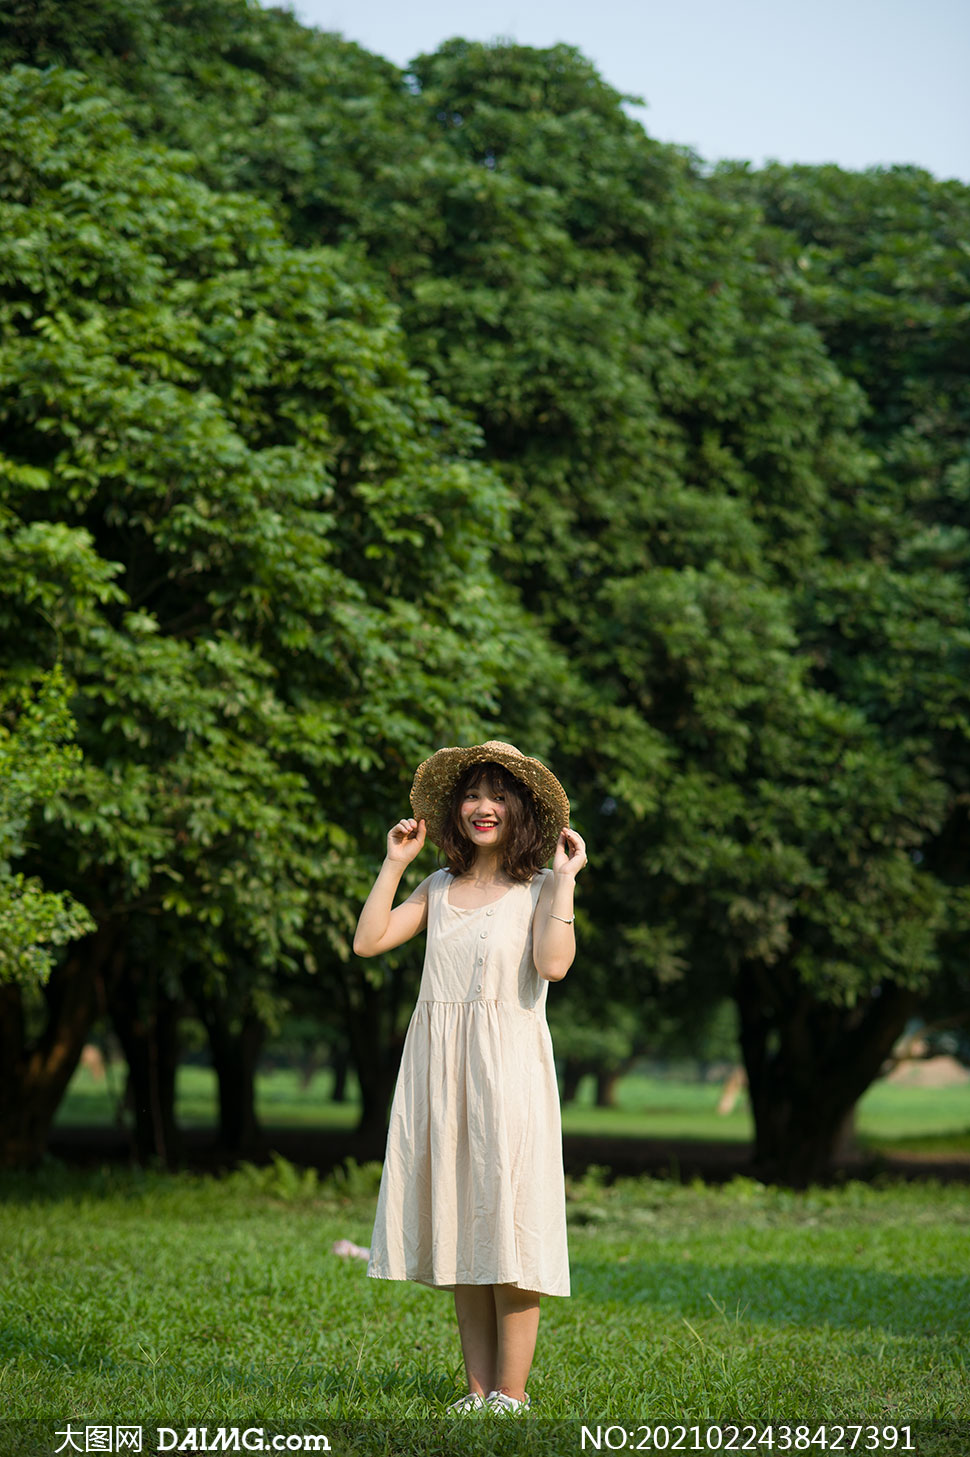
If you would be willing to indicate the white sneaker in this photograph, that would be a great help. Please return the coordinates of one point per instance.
(474, 1401)
(507, 1406)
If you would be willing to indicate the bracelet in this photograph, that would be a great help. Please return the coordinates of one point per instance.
(566, 920)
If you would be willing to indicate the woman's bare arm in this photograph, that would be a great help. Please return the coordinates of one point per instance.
(382, 925)
(553, 940)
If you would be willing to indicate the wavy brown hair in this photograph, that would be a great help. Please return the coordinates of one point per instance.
(522, 842)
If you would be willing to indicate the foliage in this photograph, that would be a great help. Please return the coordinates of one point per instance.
(687, 456)
(260, 537)
(676, 464)
(233, 424)
(37, 760)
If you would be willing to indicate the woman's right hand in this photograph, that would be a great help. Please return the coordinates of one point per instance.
(405, 839)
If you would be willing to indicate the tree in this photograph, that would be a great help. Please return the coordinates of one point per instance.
(293, 541)
(874, 262)
(680, 442)
(727, 415)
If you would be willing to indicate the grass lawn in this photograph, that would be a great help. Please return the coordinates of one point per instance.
(180, 1300)
(890, 1116)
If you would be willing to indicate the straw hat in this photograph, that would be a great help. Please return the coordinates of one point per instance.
(436, 778)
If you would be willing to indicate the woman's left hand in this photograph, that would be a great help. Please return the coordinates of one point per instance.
(570, 856)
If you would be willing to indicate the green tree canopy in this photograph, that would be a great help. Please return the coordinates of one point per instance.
(676, 463)
(291, 539)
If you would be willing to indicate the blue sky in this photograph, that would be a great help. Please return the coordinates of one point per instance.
(861, 83)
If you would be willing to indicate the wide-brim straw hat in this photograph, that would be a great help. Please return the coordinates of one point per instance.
(436, 778)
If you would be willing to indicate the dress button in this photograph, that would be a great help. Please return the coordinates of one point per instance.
(481, 961)
(478, 988)
(484, 935)
(490, 912)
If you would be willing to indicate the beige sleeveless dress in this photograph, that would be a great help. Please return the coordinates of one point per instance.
(472, 1188)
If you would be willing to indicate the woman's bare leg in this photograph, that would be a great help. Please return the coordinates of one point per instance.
(517, 1319)
(475, 1309)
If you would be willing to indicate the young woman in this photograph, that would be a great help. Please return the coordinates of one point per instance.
(472, 1196)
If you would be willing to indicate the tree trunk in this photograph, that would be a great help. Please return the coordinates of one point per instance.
(146, 1022)
(606, 1087)
(34, 1074)
(376, 1091)
(340, 1063)
(846, 1144)
(374, 1045)
(377, 1061)
(573, 1073)
(235, 1043)
(309, 1065)
(808, 1063)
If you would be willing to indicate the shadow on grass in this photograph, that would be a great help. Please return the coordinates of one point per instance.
(54, 1182)
(782, 1293)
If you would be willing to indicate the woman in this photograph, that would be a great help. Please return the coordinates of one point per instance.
(472, 1196)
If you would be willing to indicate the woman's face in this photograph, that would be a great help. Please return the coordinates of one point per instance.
(483, 814)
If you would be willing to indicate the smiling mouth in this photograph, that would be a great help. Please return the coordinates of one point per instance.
(485, 824)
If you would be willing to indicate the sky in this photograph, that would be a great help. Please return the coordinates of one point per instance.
(858, 82)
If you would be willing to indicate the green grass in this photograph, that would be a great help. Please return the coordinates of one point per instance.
(890, 1116)
(183, 1300)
